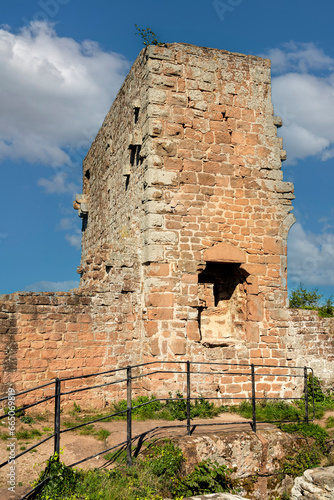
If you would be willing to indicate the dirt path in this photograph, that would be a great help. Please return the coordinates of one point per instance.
(76, 447)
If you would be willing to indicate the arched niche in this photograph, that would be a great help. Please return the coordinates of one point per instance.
(222, 295)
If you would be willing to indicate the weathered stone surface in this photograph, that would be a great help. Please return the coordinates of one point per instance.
(224, 252)
(215, 496)
(255, 458)
(182, 197)
(315, 484)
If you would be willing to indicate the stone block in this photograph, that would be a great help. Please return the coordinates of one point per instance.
(254, 308)
(156, 96)
(252, 332)
(272, 245)
(162, 237)
(151, 221)
(152, 253)
(224, 252)
(154, 177)
(178, 346)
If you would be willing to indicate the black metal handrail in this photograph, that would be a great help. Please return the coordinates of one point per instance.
(58, 392)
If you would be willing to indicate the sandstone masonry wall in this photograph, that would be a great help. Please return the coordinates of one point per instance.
(186, 202)
(311, 342)
(49, 335)
(185, 218)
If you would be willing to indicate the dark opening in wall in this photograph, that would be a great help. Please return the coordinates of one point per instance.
(87, 174)
(136, 114)
(222, 294)
(132, 155)
(135, 158)
(84, 218)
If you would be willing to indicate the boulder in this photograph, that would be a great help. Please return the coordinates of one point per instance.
(314, 484)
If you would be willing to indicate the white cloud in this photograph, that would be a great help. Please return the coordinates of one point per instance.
(52, 286)
(59, 184)
(305, 99)
(73, 236)
(300, 57)
(74, 239)
(53, 90)
(310, 257)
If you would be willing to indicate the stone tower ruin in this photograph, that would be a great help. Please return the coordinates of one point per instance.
(185, 214)
(185, 218)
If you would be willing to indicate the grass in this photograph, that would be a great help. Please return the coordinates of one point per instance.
(88, 430)
(146, 408)
(330, 423)
(307, 430)
(154, 475)
(269, 411)
(28, 434)
(157, 472)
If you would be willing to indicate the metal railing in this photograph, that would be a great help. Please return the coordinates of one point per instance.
(252, 371)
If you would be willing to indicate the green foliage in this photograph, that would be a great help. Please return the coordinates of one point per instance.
(201, 408)
(19, 412)
(165, 459)
(307, 430)
(27, 419)
(28, 434)
(267, 410)
(178, 407)
(148, 37)
(102, 434)
(327, 310)
(76, 409)
(322, 400)
(314, 389)
(175, 409)
(301, 298)
(154, 476)
(329, 422)
(62, 480)
(207, 477)
(305, 458)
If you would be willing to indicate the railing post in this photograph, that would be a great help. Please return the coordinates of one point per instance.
(253, 398)
(306, 395)
(188, 398)
(128, 417)
(57, 419)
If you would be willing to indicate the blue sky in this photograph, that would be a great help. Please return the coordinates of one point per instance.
(62, 62)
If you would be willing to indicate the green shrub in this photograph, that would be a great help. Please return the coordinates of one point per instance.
(207, 477)
(62, 480)
(301, 298)
(165, 459)
(155, 476)
(296, 465)
(307, 430)
(178, 407)
(27, 419)
(148, 37)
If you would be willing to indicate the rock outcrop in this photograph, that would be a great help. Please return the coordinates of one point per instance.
(315, 484)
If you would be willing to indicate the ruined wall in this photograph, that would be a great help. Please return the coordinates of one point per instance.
(49, 335)
(311, 342)
(185, 220)
(183, 198)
